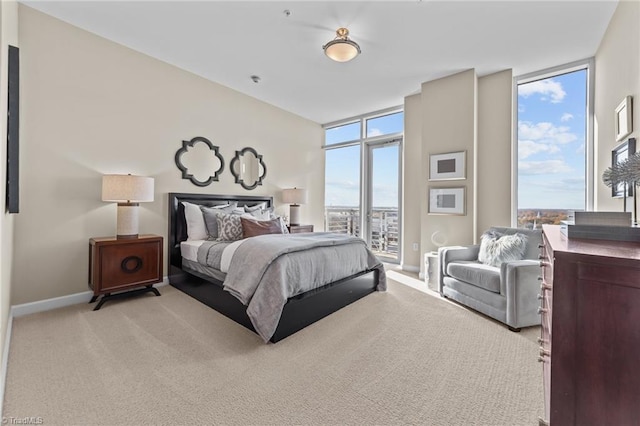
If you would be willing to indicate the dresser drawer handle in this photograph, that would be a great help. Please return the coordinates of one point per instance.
(131, 264)
(545, 287)
(541, 359)
(542, 310)
(544, 264)
(540, 246)
(540, 297)
(541, 257)
(540, 278)
(544, 352)
(540, 340)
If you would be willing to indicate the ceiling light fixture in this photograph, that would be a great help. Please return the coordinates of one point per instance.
(341, 48)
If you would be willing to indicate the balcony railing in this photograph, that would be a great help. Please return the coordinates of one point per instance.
(385, 231)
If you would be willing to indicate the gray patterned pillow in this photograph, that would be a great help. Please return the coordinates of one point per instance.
(229, 227)
(210, 214)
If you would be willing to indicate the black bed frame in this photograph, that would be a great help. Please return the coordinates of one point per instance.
(298, 312)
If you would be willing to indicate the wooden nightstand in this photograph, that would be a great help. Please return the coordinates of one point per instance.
(299, 229)
(118, 264)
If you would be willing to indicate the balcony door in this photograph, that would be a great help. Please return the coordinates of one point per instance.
(382, 199)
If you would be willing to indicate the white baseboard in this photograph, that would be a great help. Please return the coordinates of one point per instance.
(59, 302)
(5, 361)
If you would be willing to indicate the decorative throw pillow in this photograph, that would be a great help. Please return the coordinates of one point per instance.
(496, 248)
(196, 229)
(210, 214)
(229, 227)
(252, 227)
(261, 214)
(259, 206)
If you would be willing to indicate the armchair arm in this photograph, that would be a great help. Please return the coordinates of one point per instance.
(452, 253)
(519, 283)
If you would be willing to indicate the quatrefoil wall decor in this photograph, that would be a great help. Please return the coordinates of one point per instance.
(197, 160)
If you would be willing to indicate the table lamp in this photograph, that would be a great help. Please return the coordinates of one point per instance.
(127, 191)
(294, 197)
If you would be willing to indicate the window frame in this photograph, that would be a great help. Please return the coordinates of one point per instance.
(584, 64)
(365, 142)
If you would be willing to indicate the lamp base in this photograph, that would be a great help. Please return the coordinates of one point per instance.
(294, 214)
(127, 226)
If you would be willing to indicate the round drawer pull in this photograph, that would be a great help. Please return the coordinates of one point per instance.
(131, 264)
(540, 297)
(542, 310)
(541, 359)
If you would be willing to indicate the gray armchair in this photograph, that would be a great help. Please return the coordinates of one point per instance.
(507, 294)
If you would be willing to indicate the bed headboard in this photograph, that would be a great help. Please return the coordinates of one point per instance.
(178, 224)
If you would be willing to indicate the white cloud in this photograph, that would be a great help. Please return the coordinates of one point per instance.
(566, 117)
(528, 148)
(374, 132)
(580, 149)
(547, 167)
(546, 88)
(545, 132)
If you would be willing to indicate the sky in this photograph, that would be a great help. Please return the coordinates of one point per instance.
(551, 150)
(551, 142)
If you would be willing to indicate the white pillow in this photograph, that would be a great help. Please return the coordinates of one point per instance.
(196, 228)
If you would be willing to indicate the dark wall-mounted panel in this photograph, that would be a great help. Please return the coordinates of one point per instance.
(13, 127)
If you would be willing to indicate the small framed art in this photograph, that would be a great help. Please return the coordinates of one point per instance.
(448, 166)
(623, 120)
(447, 201)
(619, 154)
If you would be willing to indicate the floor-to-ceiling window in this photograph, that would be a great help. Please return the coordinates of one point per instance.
(362, 179)
(554, 145)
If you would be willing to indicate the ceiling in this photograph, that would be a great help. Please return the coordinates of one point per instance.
(404, 43)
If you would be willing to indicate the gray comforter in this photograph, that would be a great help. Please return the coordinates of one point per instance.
(267, 270)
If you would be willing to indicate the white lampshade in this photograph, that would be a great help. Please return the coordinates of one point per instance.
(294, 196)
(127, 188)
(127, 191)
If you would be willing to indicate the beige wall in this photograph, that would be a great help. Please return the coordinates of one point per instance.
(412, 187)
(8, 36)
(494, 158)
(91, 107)
(449, 124)
(617, 75)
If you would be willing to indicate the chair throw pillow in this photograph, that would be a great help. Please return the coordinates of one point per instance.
(497, 248)
(229, 227)
(252, 228)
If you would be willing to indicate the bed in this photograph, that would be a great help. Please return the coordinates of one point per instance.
(298, 311)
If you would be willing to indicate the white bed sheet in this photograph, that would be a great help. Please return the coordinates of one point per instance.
(189, 249)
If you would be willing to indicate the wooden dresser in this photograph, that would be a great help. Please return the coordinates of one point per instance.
(590, 339)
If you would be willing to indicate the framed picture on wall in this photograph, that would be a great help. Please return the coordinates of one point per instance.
(623, 120)
(449, 166)
(619, 154)
(447, 201)
(13, 127)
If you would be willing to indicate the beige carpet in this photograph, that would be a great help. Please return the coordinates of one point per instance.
(400, 357)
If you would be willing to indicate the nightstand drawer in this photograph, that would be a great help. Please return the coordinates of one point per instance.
(121, 264)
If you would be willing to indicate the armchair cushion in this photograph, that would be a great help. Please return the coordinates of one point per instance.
(476, 273)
